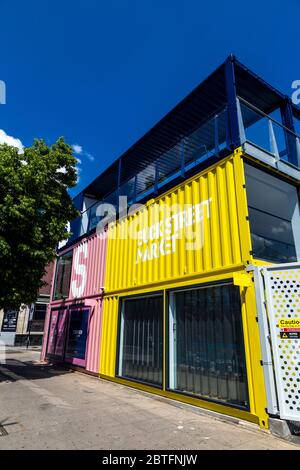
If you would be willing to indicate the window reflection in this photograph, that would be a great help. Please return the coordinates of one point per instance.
(141, 344)
(63, 276)
(206, 344)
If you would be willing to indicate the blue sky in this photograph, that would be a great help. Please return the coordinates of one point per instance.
(101, 73)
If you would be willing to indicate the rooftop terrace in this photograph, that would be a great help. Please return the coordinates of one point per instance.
(233, 107)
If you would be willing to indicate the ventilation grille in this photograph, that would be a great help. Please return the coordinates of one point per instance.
(283, 299)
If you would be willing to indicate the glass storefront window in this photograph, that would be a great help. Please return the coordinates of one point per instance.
(141, 339)
(38, 318)
(63, 276)
(274, 217)
(206, 345)
(77, 338)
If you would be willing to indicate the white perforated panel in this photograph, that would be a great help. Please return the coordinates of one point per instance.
(283, 306)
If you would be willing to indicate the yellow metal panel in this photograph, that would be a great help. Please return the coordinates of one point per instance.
(235, 240)
(260, 262)
(223, 247)
(242, 280)
(197, 227)
(255, 377)
(109, 336)
(242, 208)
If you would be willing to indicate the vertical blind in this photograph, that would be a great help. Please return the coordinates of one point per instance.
(208, 348)
(141, 349)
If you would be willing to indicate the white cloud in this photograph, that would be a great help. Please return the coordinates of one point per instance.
(62, 170)
(79, 161)
(77, 148)
(90, 157)
(9, 140)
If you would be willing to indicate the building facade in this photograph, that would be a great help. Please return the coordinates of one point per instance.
(26, 326)
(173, 292)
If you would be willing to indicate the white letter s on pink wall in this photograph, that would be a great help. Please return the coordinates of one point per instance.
(80, 270)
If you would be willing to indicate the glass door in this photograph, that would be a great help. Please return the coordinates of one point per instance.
(206, 344)
(57, 333)
(52, 332)
(77, 336)
(141, 340)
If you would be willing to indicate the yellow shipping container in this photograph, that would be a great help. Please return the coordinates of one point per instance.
(255, 380)
(198, 227)
(196, 234)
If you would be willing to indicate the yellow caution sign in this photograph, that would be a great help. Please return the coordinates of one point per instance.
(290, 323)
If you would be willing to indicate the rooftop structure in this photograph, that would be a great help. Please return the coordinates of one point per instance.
(232, 108)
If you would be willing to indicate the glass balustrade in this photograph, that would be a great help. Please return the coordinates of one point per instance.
(207, 140)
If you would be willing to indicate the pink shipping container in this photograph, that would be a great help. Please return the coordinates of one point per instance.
(74, 317)
(90, 253)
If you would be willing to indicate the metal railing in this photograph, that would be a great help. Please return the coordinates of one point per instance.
(270, 135)
(208, 140)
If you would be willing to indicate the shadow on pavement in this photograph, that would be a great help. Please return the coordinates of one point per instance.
(12, 370)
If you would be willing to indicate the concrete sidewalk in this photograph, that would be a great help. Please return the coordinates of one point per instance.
(47, 407)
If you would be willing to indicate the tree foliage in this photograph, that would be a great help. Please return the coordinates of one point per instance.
(34, 209)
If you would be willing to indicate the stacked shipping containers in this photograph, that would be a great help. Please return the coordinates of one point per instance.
(84, 297)
(222, 249)
(162, 300)
(131, 267)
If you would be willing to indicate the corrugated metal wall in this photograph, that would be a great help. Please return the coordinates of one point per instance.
(47, 318)
(45, 336)
(87, 279)
(94, 335)
(109, 336)
(217, 202)
(88, 267)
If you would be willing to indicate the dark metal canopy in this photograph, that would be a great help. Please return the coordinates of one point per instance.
(207, 99)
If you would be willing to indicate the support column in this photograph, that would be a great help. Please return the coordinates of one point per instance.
(236, 135)
(291, 141)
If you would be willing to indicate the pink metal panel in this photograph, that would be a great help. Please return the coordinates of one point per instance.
(46, 330)
(87, 279)
(61, 333)
(88, 268)
(94, 335)
(47, 319)
(52, 332)
(56, 329)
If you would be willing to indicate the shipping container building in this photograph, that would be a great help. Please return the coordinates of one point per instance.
(190, 289)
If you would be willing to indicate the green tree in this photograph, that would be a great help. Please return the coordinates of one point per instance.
(34, 209)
